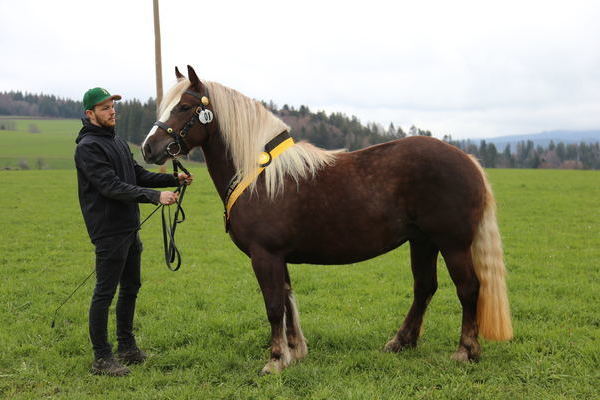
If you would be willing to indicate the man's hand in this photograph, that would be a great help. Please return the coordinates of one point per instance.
(168, 198)
(185, 178)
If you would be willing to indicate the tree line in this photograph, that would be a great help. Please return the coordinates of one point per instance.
(333, 131)
(38, 105)
(528, 155)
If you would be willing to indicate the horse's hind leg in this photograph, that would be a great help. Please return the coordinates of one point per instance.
(270, 273)
(460, 266)
(295, 337)
(423, 256)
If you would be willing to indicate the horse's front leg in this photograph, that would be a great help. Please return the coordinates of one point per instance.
(270, 273)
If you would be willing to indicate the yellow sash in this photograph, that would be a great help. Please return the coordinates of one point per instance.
(239, 189)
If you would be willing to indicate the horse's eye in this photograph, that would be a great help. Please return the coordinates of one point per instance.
(184, 107)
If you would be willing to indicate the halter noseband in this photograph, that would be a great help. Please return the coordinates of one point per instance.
(201, 114)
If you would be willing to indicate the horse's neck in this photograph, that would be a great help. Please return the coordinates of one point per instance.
(219, 164)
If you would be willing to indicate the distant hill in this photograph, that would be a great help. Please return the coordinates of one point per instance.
(544, 138)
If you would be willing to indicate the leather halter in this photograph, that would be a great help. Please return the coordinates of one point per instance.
(179, 138)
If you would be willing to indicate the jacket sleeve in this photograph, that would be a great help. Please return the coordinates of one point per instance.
(150, 179)
(93, 163)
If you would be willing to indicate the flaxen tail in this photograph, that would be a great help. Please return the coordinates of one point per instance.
(493, 312)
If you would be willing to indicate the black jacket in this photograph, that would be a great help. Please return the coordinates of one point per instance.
(110, 182)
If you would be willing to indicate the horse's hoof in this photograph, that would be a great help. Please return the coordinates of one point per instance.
(462, 355)
(273, 367)
(394, 346)
(299, 352)
(276, 365)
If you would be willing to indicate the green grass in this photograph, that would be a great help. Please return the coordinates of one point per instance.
(50, 147)
(206, 329)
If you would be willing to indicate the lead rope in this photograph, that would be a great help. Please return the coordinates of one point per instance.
(172, 253)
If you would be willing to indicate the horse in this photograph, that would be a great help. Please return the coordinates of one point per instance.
(297, 203)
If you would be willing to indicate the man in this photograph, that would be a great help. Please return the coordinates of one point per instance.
(111, 184)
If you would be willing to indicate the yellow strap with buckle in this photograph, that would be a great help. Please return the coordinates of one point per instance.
(239, 189)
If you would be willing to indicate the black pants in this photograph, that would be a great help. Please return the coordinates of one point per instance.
(117, 264)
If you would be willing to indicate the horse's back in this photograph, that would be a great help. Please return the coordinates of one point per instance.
(423, 176)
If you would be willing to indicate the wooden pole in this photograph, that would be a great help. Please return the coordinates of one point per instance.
(157, 56)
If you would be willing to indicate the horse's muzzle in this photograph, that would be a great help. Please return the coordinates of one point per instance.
(152, 155)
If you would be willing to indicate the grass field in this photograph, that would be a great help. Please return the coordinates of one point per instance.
(40, 144)
(206, 329)
(50, 147)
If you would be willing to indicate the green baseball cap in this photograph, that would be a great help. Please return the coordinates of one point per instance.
(95, 96)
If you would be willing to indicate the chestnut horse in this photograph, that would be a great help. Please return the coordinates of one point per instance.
(296, 203)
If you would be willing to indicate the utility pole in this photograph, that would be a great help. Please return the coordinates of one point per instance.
(157, 56)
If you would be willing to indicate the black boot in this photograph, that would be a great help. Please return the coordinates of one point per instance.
(132, 355)
(109, 366)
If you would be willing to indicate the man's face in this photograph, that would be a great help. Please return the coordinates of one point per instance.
(103, 114)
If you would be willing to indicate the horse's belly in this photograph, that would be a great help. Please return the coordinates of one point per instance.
(329, 258)
(349, 245)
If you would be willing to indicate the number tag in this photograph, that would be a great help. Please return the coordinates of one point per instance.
(205, 116)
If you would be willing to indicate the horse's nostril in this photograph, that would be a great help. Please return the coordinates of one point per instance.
(147, 150)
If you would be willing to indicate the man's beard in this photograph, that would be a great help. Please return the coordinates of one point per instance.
(106, 123)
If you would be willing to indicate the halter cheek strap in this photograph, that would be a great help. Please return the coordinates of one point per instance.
(178, 141)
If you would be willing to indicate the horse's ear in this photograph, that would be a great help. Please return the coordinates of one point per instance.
(178, 74)
(194, 78)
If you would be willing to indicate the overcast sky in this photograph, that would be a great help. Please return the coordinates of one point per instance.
(466, 68)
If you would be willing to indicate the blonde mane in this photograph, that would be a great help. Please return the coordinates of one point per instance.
(246, 126)
(171, 99)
